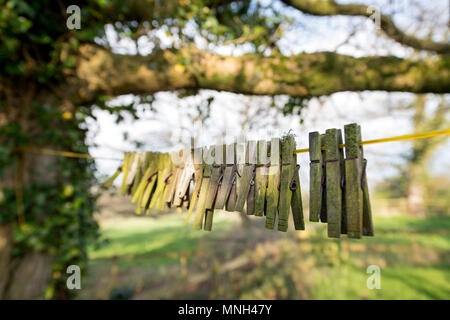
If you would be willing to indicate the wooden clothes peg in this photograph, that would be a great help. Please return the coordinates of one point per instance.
(287, 172)
(198, 177)
(315, 176)
(272, 191)
(252, 161)
(250, 205)
(182, 188)
(155, 202)
(232, 197)
(216, 173)
(143, 181)
(333, 183)
(125, 169)
(149, 183)
(296, 203)
(245, 175)
(353, 189)
(323, 209)
(108, 183)
(138, 173)
(248, 179)
(167, 177)
(342, 185)
(261, 177)
(367, 209)
(171, 180)
(133, 169)
(201, 201)
(228, 176)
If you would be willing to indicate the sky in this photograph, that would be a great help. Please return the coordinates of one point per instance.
(162, 130)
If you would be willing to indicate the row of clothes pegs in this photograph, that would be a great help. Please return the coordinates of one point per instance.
(259, 178)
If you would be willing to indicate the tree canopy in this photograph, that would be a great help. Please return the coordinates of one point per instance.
(37, 44)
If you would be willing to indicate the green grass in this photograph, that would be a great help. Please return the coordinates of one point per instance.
(144, 240)
(397, 282)
(413, 255)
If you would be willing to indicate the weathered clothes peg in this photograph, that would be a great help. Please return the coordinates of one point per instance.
(138, 173)
(333, 183)
(261, 177)
(287, 173)
(186, 200)
(232, 197)
(342, 173)
(252, 160)
(157, 181)
(359, 215)
(273, 183)
(149, 183)
(187, 167)
(353, 189)
(134, 168)
(172, 180)
(127, 161)
(108, 183)
(201, 201)
(367, 209)
(228, 177)
(323, 209)
(167, 176)
(143, 181)
(216, 172)
(198, 177)
(245, 173)
(315, 176)
(157, 201)
(296, 203)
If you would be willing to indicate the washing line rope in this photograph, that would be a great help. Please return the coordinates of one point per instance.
(413, 136)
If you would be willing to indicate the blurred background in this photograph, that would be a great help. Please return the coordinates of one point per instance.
(56, 92)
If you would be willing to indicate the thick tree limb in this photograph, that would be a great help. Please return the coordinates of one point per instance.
(100, 72)
(142, 10)
(331, 8)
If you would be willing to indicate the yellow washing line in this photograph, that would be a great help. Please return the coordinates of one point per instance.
(412, 136)
(405, 137)
(67, 154)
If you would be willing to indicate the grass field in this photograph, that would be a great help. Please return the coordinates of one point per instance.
(161, 258)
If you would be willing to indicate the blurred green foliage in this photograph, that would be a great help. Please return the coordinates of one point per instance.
(162, 258)
(436, 192)
(58, 216)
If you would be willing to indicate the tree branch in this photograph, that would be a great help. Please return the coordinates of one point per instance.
(331, 8)
(100, 72)
(142, 10)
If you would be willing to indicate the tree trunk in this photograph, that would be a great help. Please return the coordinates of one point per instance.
(6, 247)
(422, 151)
(26, 276)
(416, 191)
